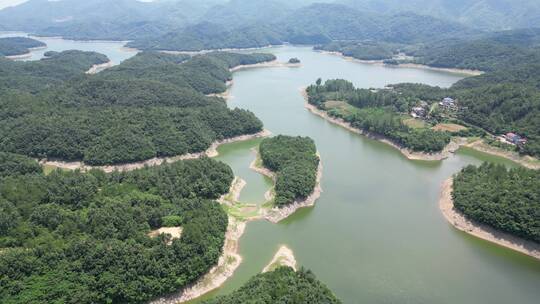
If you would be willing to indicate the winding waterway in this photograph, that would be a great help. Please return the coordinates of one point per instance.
(113, 49)
(376, 235)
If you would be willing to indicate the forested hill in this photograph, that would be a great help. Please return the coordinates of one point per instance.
(33, 76)
(295, 162)
(72, 237)
(11, 46)
(102, 19)
(482, 14)
(492, 52)
(151, 105)
(508, 200)
(282, 285)
(314, 24)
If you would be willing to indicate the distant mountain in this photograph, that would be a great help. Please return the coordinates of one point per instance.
(206, 36)
(102, 19)
(241, 12)
(315, 24)
(482, 14)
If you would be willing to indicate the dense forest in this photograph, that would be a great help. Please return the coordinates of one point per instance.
(72, 237)
(150, 105)
(508, 200)
(318, 23)
(34, 76)
(491, 53)
(295, 162)
(11, 46)
(282, 285)
(380, 112)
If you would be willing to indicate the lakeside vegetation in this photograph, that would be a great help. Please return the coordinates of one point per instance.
(152, 105)
(83, 237)
(295, 162)
(13, 46)
(505, 199)
(505, 99)
(282, 285)
(381, 113)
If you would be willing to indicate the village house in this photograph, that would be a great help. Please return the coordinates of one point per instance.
(420, 111)
(514, 139)
(448, 103)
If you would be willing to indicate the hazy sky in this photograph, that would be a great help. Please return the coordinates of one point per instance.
(5, 3)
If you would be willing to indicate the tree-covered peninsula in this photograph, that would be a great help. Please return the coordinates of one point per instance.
(282, 285)
(72, 237)
(295, 162)
(152, 105)
(380, 113)
(14, 46)
(505, 199)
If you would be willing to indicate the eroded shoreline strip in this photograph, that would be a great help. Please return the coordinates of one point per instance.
(450, 148)
(275, 214)
(460, 222)
(406, 65)
(156, 161)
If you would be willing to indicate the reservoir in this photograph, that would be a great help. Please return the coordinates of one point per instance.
(376, 234)
(113, 49)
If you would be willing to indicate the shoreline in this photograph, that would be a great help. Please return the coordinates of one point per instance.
(406, 65)
(96, 68)
(283, 257)
(227, 264)
(268, 64)
(28, 54)
(275, 214)
(226, 94)
(455, 144)
(452, 147)
(525, 161)
(156, 161)
(482, 231)
(206, 51)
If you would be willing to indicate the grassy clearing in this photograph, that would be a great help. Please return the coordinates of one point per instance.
(414, 123)
(449, 127)
(341, 106)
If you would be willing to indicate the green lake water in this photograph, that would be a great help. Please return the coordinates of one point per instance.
(376, 235)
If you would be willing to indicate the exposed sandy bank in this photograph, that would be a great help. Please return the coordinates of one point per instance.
(452, 147)
(275, 215)
(96, 68)
(283, 257)
(210, 152)
(227, 264)
(26, 55)
(20, 56)
(459, 221)
(407, 65)
(526, 161)
(269, 64)
(225, 95)
(233, 195)
(192, 53)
